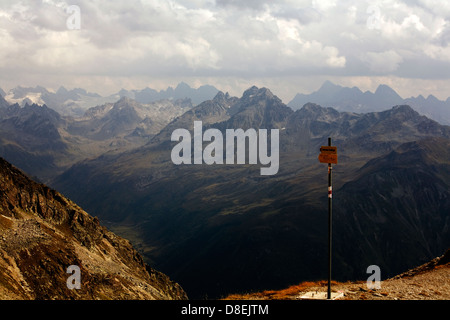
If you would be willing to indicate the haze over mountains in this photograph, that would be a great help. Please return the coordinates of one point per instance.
(218, 229)
(355, 100)
(75, 102)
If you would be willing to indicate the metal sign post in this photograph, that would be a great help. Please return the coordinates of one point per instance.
(329, 155)
(330, 199)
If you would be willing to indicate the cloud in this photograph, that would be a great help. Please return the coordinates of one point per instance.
(323, 5)
(383, 62)
(252, 4)
(224, 38)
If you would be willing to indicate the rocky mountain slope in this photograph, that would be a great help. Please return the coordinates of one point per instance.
(42, 233)
(225, 228)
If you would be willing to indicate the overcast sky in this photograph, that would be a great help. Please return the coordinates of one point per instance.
(287, 46)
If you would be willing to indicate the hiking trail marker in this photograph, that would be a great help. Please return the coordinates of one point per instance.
(328, 154)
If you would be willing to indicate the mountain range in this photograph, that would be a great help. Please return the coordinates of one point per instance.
(224, 228)
(181, 91)
(355, 100)
(76, 101)
(219, 229)
(43, 143)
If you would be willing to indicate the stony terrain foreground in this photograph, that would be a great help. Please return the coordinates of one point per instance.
(430, 281)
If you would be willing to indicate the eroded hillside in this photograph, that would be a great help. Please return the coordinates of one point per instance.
(42, 233)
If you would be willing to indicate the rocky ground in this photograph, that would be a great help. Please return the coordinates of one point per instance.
(430, 281)
(42, 234)
(425, 285)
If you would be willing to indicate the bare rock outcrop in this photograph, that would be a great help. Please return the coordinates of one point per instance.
(42, 234)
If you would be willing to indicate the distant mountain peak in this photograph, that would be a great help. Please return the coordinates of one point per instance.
(312, 107)
(329, 88)
(181, 91)
(220, 96)
(182, 85)
(62, 90)
(125, 107)
(383, 87)
(432, 98)
(387, 91)
(250, 91)
(406, 109)
(257, 92)
(124, 99)
(328, 84)
(384, 97)
(313, 110)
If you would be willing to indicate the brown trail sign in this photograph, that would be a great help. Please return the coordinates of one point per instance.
(328, 154)
(328, 150)
(328, 158)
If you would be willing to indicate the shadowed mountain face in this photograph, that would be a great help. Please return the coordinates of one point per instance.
(30, 138)
(42, 234)
(225, 228)
(398, 204)
(32, 122)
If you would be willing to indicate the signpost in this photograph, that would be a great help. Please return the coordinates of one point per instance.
(328, 158)
(328, 150)
(328, 154)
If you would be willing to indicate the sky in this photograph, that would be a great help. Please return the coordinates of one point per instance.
(287, 46)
